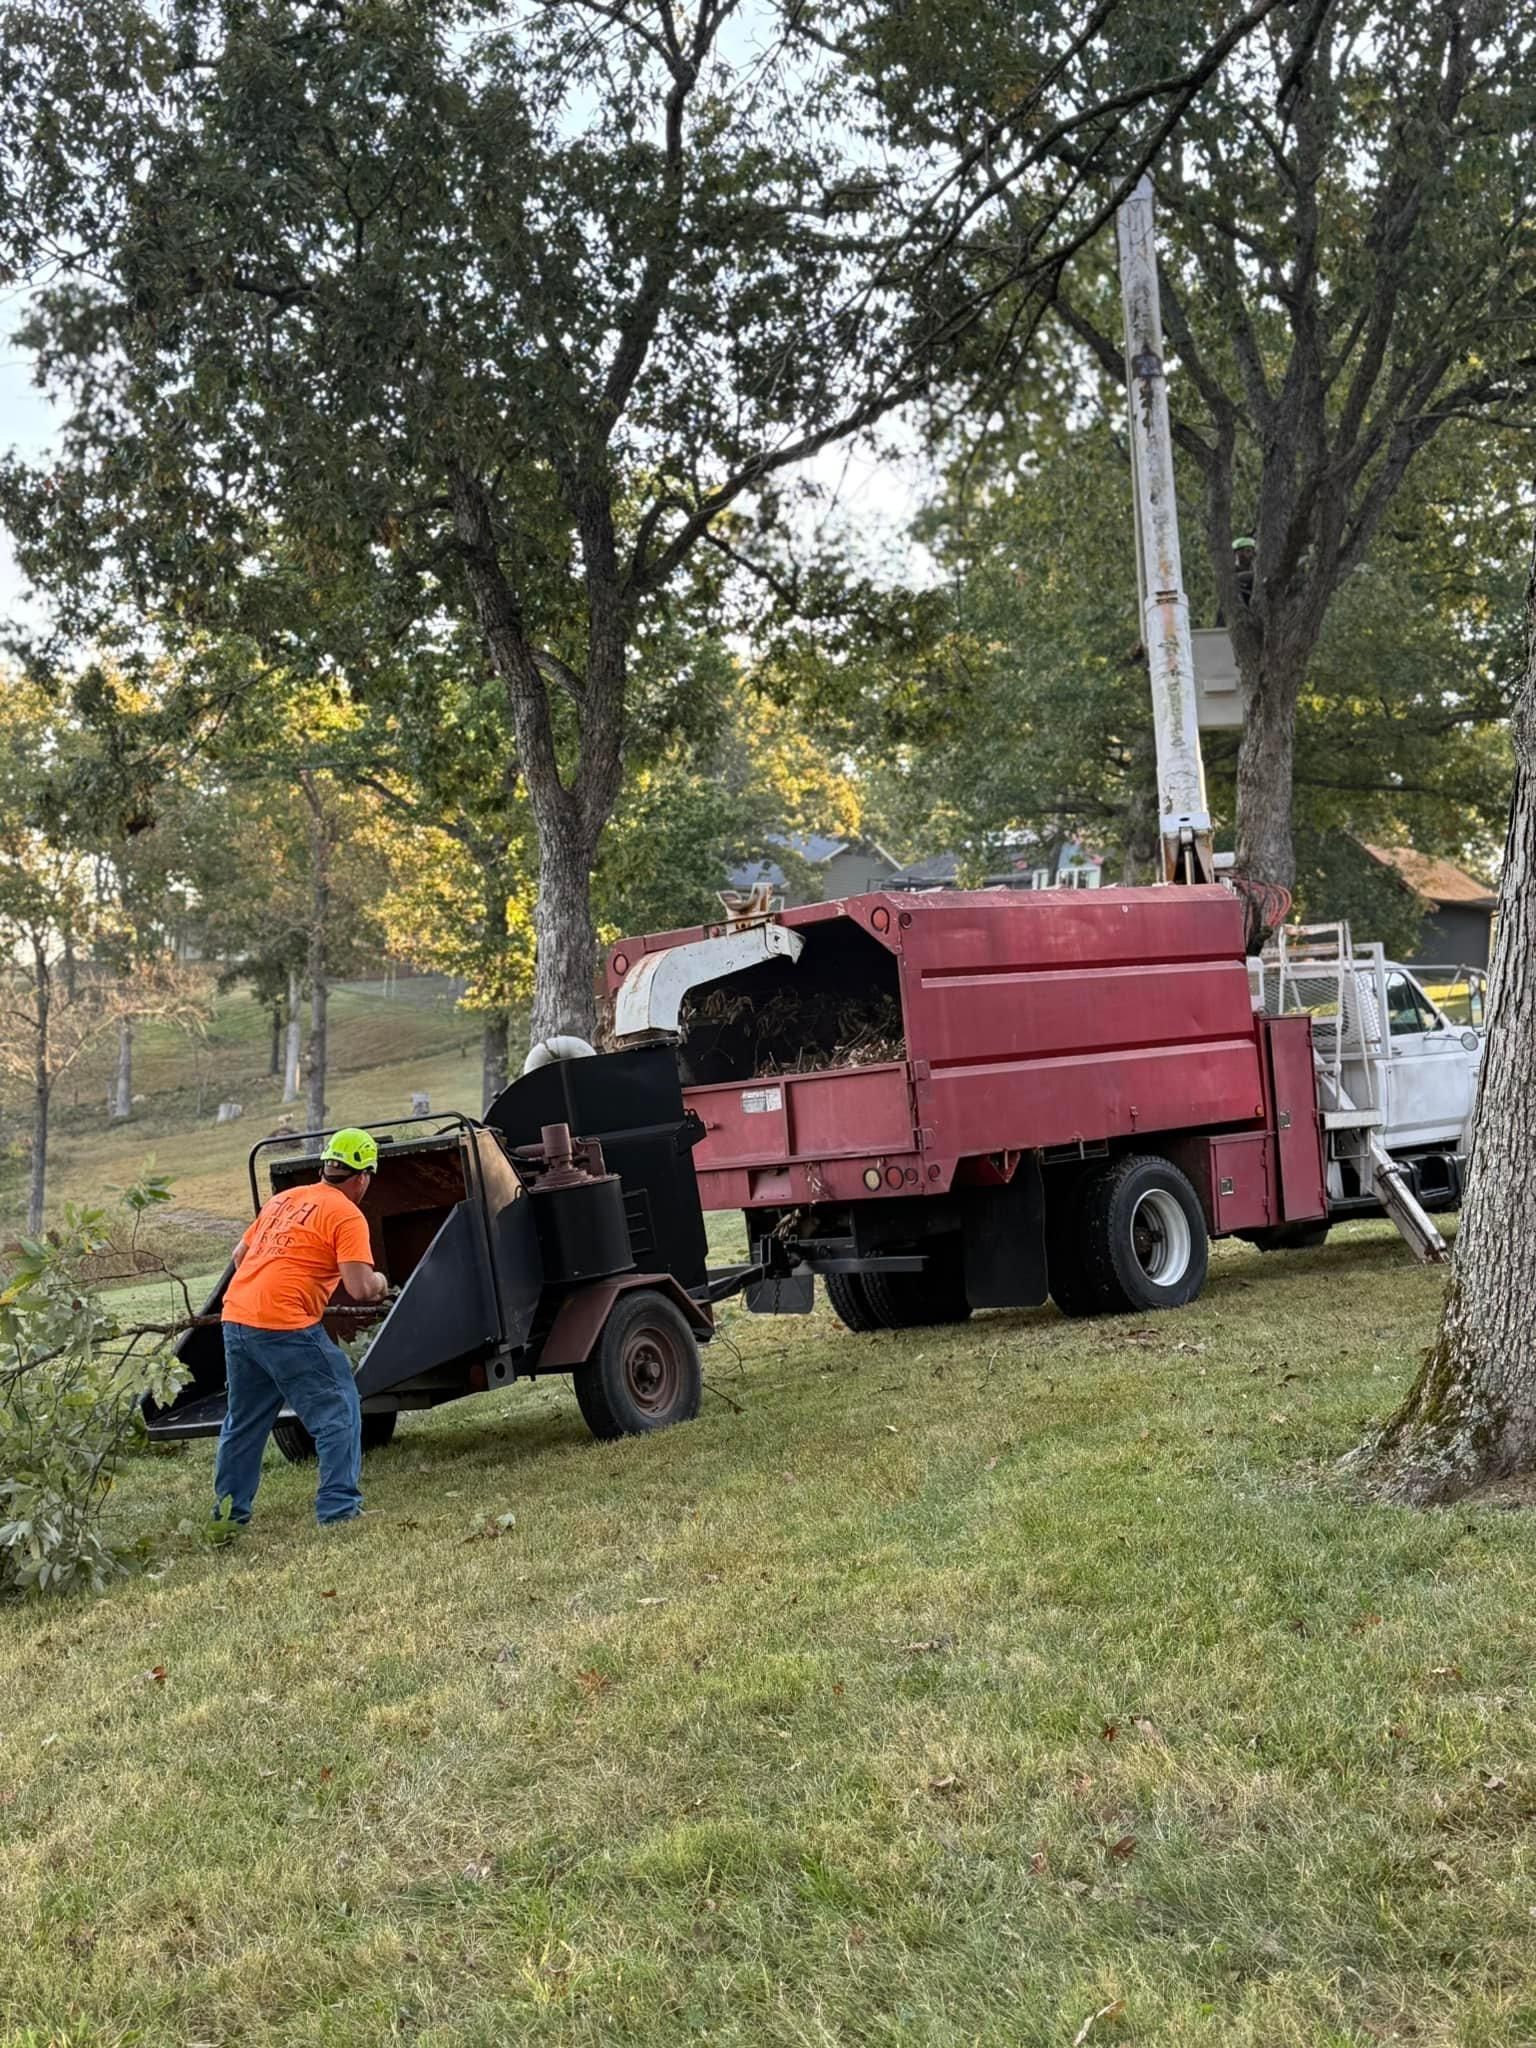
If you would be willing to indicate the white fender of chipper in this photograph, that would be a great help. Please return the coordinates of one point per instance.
(545, 1051)
(650, 998)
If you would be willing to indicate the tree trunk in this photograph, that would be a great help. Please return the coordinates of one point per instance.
(1471, 1413)
(295, 1036)
(122, 1100)
(319, 918)
(1140, 843)
(494, 1049)
(493, 1058)
(315, 1065)
(1266, 760)
(276, 1066)
(569, 818)
(42, 1089)
(565, 995)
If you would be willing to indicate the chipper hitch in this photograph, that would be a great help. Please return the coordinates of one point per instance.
(512, 1248)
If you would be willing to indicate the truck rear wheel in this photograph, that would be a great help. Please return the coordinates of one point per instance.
(298, 1446)
(1141, 1237)
(908, 1301)
(1135, 1238)
(645, 1372)
(850, 1302)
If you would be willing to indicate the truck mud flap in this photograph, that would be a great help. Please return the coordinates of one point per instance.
(785, 1294)
(1002, 1231)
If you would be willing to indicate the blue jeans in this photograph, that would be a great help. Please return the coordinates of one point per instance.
(266, 1370)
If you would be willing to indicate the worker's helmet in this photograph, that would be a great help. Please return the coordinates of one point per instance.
(1244, 540)
(353, 1148)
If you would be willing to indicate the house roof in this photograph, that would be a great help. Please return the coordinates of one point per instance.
(926, 874)
(1437, 881)
(815, 847)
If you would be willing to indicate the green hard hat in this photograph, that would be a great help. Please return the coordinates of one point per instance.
(1245, 540)
(353, 1148)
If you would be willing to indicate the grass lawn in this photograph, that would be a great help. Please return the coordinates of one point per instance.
(383, 1049)
(932, 1689)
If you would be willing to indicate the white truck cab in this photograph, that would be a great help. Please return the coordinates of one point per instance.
(1396, 1075)
(1431, 1069)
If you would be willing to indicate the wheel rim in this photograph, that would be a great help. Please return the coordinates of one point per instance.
(653, 1369)
(1161, 1237)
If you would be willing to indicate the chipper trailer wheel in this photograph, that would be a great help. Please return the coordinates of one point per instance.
(645, 1372)
(1141, 1240)
(298, 1446)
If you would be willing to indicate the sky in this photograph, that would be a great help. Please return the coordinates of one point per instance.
(27, 422)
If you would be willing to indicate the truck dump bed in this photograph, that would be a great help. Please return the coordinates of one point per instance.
(916, 1033)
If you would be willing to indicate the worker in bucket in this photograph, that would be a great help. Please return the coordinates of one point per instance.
(276, 1351)
(1244, 549)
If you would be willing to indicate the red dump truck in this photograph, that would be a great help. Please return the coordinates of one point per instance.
(977, 1099)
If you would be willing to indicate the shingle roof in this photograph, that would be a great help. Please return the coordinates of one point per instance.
(816, 847)
(941, 867)
(1437, 881)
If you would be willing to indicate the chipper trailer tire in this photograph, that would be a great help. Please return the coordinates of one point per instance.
(561, 1234)
(645, 1372)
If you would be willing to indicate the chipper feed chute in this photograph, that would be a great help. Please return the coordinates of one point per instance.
(513, 1248)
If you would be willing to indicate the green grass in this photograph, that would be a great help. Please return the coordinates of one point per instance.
(931, 1689)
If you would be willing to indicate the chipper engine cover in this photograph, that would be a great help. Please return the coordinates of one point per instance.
(563, 1234)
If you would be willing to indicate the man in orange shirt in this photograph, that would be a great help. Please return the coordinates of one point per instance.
(276, 1351)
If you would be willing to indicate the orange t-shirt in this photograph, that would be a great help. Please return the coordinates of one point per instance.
(293, 1257)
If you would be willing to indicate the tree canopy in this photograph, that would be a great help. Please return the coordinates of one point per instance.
(487, 317)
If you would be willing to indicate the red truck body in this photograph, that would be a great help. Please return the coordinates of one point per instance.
(1053, 1023)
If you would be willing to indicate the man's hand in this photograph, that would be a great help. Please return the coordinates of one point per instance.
(362, 1282)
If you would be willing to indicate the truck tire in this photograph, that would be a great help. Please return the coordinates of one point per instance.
(849, 1300)
(910, 1301)
(644, 1373)
(1141, 1236)
(298, 1446)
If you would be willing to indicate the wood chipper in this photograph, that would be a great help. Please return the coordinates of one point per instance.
(562, 1234)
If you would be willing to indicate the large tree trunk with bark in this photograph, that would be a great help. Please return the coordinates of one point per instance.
(1140, 845)
(275, 1066)
(1266, 759)
(294, 1040)
(569, 814)
(565, 992)
(1471, 1413)
(42, 1087)
(122, 1096)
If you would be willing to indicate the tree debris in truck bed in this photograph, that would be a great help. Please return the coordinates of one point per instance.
(802, 1031)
